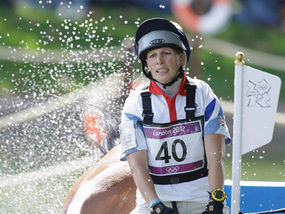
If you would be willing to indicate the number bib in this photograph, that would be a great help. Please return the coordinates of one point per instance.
(175, 148)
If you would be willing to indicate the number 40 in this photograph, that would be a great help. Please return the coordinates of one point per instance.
(166, 157)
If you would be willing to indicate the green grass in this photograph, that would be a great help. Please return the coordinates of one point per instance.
(259, 167)
(260, 38)
(38, 28)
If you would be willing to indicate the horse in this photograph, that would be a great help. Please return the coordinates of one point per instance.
(106, 188)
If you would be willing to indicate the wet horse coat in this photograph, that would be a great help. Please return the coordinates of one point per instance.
(106, 188)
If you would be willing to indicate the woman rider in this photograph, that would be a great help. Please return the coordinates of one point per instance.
(173, 129)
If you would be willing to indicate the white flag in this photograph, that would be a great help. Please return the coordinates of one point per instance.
(256, 97)
(259, 105)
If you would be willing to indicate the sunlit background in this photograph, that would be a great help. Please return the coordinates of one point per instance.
(62, 61)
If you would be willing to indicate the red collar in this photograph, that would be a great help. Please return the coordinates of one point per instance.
(154, 89)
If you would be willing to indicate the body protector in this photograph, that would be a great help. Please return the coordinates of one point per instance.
(156, 33)
(176, 150)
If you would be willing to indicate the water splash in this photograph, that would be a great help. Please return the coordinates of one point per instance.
(49, 59)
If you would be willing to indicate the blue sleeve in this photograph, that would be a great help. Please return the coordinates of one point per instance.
(215, 120)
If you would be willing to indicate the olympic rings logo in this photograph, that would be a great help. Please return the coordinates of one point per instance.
(172, 169)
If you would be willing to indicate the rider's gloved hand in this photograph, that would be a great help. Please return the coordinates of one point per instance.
(214, 207)
(157, 207)
(160, 208)
(216, 203)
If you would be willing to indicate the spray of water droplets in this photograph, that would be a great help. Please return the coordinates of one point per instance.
(46, 60)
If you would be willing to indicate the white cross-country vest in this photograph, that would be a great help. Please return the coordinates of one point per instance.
(176, 151)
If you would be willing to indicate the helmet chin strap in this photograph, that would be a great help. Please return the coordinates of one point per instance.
(148, 75)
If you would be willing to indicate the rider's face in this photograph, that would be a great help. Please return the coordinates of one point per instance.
(164, 63)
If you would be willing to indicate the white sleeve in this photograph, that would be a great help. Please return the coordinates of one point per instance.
(131, 132)
(131, 136)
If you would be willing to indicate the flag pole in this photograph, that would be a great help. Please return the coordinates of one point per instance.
(237, 133)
